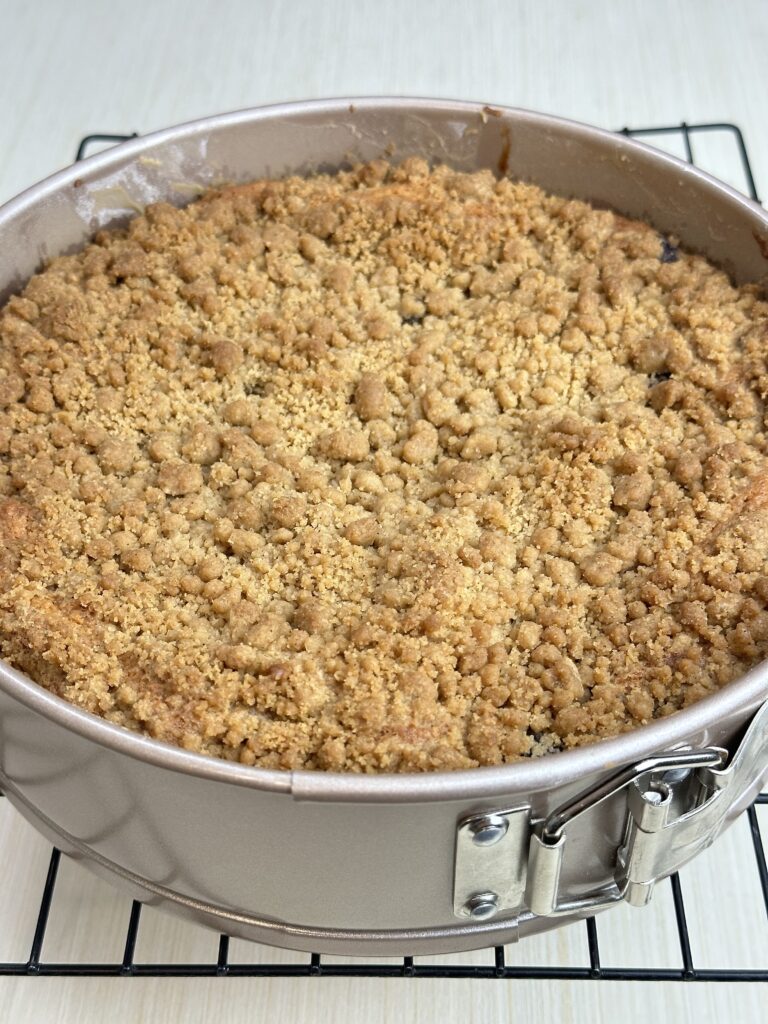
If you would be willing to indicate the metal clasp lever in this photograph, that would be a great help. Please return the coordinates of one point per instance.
(547, 844)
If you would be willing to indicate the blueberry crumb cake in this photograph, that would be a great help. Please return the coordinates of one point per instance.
(395, 469)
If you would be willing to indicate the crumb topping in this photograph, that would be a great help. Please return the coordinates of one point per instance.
(396, 469)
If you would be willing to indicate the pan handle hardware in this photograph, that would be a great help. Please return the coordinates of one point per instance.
(651, 803)
(676, 804)
(490, 867)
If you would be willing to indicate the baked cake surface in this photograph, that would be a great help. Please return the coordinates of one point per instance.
(390, 470)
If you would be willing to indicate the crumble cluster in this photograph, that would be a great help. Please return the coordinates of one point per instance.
(396, 469)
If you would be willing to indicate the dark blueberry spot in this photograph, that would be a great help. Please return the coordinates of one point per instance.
(412, 320)
(467, 293)
(668, 252)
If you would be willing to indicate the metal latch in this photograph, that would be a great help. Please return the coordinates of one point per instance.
(675, 805)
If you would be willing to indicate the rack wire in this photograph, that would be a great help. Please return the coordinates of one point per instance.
(686, 137)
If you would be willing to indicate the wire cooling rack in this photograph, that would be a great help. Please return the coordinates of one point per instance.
(742, 864)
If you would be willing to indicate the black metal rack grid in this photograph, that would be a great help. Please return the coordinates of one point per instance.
(315, 966)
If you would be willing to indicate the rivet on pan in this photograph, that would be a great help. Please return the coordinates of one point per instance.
(653, 796)
(488, 830)
(482, 905)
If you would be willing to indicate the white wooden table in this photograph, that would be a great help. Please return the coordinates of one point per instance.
(70, 69)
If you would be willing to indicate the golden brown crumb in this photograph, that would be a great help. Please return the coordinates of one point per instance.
(392, 470)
